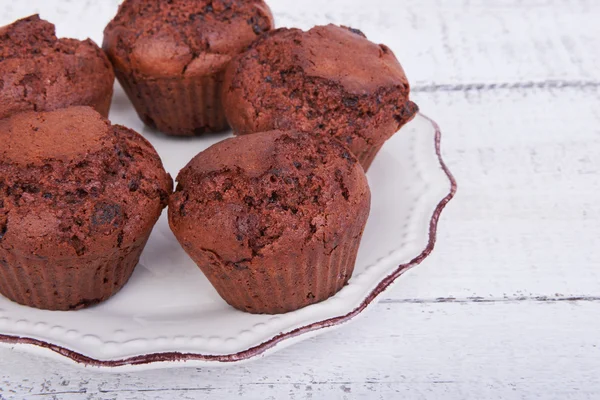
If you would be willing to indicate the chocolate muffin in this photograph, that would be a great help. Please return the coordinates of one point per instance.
(78, 200)
(329, 80)
(170, 57)
(39, 72)
(274, 220)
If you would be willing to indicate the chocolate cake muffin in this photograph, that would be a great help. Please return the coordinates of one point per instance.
(170, 57)
(78, 200)
(274, 220)
(39, 72)
(329, 80)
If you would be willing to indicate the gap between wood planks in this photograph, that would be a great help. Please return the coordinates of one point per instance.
(344, 386)
(82, 391)
(545, 84)
(478, 299)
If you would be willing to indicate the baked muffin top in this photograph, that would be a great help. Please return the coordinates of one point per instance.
(157, 38)
(329, 80)
(258, 195)
(73, 184)
(39, 72)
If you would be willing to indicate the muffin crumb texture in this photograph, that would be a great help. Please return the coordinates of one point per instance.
(78, 196)
(273, 219)
(40, 72)
(329, 80)
(166, 38)
(170, 57)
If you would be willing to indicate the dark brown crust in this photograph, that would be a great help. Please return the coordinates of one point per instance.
(274, 220)
(39, 72)
(78, 199)
(156, 38)
(271, 343)
(328, 80)
(170, 57)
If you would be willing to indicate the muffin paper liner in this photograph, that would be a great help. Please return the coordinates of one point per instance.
(68, 284)
(366, 157)
(178, 106)
(289, 282)
(102, 105)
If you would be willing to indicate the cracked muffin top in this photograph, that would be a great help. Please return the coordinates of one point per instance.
(39, 72)
(157, 38)
(268, 194)
(72, 184)
(328, 80)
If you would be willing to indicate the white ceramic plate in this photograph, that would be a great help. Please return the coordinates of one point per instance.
(169, 315)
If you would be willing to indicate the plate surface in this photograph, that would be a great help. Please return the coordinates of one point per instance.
(169, 315)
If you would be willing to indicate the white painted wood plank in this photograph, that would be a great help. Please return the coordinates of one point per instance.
(509, 350)
(444, 42)
(466, 41)
(525, 218)
(524, 223)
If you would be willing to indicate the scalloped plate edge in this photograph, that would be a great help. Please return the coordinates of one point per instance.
(278, 342)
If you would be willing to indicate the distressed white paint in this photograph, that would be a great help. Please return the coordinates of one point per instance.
(508, 350)
(524, 224)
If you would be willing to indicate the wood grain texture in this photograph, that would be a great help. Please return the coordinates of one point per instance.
(440, 350)
(505, 307)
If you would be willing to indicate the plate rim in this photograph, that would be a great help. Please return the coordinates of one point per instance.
(268, 345)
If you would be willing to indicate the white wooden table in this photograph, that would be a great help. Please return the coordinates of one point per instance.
(508, 304)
